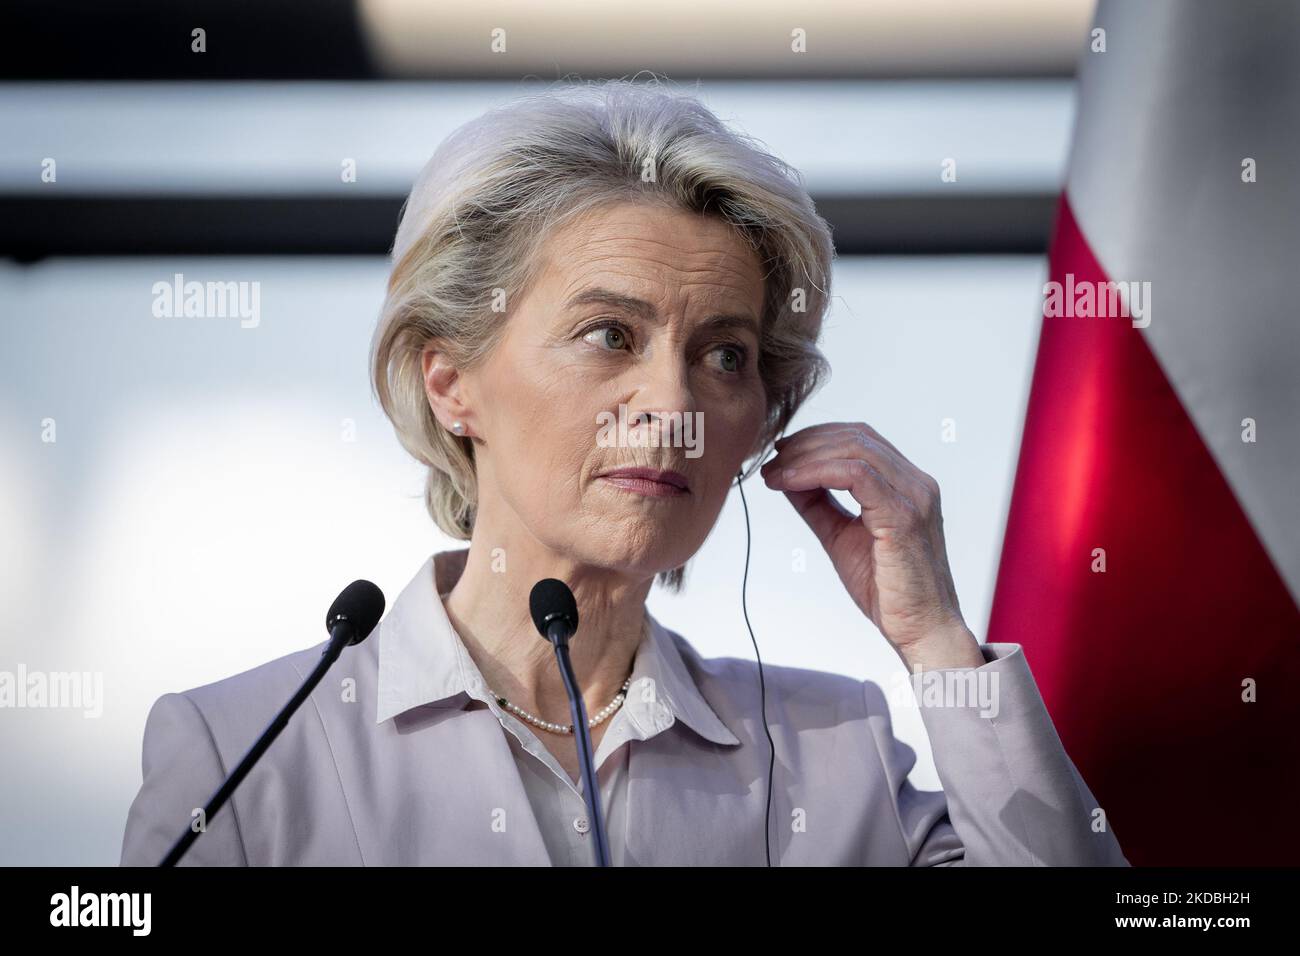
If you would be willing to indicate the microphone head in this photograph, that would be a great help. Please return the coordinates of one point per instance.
(361, 604)
(551, 599)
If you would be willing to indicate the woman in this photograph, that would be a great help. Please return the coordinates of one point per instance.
(614, 250)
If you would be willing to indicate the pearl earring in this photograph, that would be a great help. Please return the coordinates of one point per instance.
(458, 427)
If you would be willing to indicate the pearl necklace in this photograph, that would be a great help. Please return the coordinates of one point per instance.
(601, 716)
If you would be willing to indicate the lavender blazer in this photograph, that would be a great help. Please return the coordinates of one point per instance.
(355, 780)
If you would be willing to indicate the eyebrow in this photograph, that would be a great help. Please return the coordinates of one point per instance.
(647, 311)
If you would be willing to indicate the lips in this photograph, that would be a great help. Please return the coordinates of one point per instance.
(649, 479)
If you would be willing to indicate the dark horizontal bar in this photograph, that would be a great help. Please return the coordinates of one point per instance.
(151, 40)
(934, 224)
(33, 228)
(325, 40)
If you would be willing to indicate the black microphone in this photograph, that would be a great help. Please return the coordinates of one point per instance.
(357, 609)
(350, 619)
(555, 613)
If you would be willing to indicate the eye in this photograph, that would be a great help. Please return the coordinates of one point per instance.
(610, 335)
(733, 357)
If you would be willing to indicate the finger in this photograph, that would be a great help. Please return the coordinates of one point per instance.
(858, 477)
(839, 426)
(808, 431)
(847, 443)
(822, 512)
(870, 436)
(886, 442)
(862, 441)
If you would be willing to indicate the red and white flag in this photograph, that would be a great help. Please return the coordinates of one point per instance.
(1151, 565)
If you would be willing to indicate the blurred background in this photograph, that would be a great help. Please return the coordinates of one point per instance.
(181, 498)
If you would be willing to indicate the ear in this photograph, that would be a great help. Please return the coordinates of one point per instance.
(444, 388)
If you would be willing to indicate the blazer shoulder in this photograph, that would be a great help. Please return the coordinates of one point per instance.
(243, 703)
(282, 672)
(194, 737)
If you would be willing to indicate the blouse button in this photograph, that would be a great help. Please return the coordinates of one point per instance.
(580, 824)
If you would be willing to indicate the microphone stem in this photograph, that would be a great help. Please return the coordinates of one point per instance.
(590, 787)
(340, 636)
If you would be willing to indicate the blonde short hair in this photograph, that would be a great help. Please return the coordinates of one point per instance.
(499, 185)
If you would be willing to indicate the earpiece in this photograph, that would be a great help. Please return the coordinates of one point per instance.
(762, 686)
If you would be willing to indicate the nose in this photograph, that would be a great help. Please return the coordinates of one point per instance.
(664, 388)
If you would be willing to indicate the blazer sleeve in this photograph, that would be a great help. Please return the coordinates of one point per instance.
(1011, 795)
(182, 770)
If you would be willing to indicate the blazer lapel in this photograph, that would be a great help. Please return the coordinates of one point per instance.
(690, 799)
(687, 805)
(458, 797)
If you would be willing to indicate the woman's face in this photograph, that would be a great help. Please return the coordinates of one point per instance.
(638, 305)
